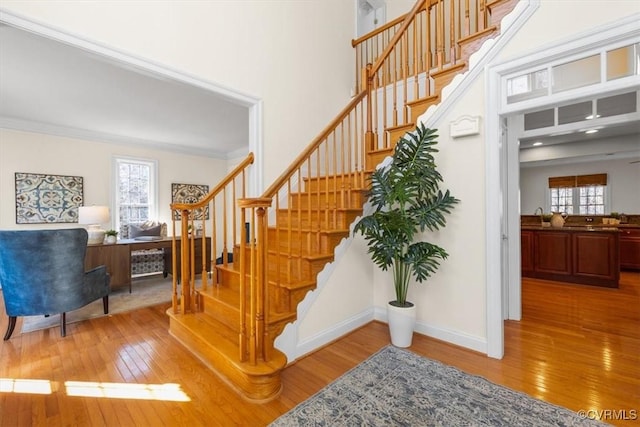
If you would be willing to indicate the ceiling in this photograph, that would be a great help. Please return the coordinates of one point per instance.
(51, 87)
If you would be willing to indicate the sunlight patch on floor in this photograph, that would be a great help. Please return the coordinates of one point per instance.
(171, 392)
(165, 392)
(10, 385)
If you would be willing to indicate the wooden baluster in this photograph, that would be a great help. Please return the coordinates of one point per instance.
(483, 17)
(428, 56)
(416, 57)
(345, 156)
(404, 62)
(253, 284)
(185, 268)
(174, 276)
(369, 140)
(192, 263)
(452, 32)
(394, 92)
(243, 286)
(440, 34)
(467, 21)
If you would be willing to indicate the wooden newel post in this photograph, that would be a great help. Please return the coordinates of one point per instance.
(253, 278)
(261, 295)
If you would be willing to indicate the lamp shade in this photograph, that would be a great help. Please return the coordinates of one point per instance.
(93, 215)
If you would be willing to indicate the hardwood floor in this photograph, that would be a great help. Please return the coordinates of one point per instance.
(577, 346)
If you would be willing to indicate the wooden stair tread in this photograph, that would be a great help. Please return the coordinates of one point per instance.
(399, 127)
(229, 297)
(308, 230)
(308, 257)
(221, 294)
(429, 98)
(294, 284)
(294, 210)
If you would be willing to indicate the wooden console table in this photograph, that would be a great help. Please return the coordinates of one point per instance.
(117, 257)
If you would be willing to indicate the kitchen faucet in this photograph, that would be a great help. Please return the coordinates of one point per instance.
(538, 209)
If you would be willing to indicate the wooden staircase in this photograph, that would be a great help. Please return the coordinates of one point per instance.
(272, 247)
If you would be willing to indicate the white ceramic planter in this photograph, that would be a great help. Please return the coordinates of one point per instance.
(401, 323)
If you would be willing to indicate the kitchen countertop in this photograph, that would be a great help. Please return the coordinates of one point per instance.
(601, 229)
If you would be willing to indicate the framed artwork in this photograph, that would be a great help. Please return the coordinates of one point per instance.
(190, 193)
(42, 198)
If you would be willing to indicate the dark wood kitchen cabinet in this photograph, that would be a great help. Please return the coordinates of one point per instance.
(552, 253)
(630, 249)
(571, 254)
(596, 257)
(526, 252)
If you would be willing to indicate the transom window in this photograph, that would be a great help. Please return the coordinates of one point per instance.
(582, 72)
(135, 191)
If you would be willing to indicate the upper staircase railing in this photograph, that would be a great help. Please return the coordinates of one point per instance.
(410, 60)
(428, 49)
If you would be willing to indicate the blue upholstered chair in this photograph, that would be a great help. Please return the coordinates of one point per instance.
(42, 273)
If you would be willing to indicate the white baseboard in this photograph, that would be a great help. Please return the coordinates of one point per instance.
(325, 337)
(451, 336)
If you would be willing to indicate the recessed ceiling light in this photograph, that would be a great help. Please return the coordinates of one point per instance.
(591, 131)
(537, 143)
(592, 116)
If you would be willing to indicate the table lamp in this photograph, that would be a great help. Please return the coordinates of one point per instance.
(93, 217)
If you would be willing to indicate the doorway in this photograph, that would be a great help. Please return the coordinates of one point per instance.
(503, 207)
(370, 14)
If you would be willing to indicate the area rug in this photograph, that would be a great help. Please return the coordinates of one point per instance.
(396, 387)
(145, 292)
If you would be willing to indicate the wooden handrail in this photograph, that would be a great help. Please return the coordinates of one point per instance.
(282, 179)
(218, 188)
(396, 37)
(373, 33)
(385, 27)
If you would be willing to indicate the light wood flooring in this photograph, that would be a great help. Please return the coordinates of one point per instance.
(577, 346)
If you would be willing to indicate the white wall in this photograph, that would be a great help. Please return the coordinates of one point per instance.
(294, 55)
(623, 184)
(39, 153)
(396, 8)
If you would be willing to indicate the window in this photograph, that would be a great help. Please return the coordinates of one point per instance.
(135, 191)
(562, 200)
(592, 200)
(580, 195)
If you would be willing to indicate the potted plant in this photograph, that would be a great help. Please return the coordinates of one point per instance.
(406, 200)
(615, 218)
(111, 236)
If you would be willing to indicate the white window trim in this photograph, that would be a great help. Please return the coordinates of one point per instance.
(153, 210)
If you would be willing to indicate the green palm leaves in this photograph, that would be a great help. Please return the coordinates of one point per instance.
(407, 200)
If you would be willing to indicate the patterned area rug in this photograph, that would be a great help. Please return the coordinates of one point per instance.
(396, 387)
(145, 291)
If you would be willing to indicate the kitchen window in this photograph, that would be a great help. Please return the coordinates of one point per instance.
(579, 195)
